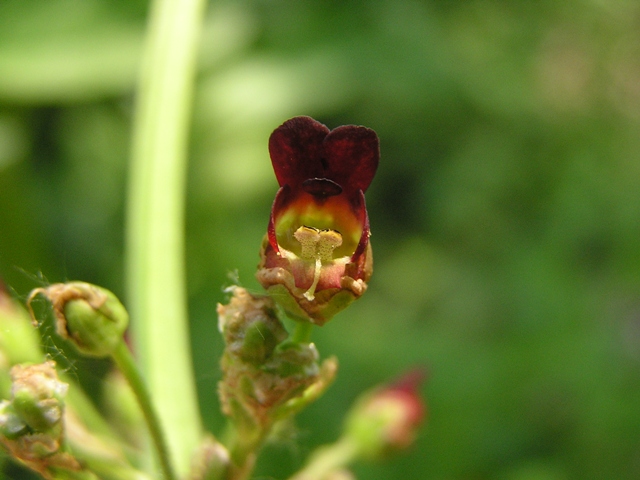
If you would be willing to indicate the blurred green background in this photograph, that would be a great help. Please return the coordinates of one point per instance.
(505, 213)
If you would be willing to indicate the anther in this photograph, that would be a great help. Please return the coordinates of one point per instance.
(318, 246)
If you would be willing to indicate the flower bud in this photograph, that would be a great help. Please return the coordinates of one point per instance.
(387, 419)
(11, 425)
(90, 317)
(211, 460)
(37, 395)
(250, 326)
(31, 423)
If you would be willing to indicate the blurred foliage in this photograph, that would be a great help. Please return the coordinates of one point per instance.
(505, 213)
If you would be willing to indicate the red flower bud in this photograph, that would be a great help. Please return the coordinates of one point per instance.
(387, 419)
(316, 257)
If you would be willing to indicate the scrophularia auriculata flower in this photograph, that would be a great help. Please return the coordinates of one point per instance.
(316, 256)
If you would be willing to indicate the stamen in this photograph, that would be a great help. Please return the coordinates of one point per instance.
(328, 242)
(309, 294)
(317, 246)
(308, 238)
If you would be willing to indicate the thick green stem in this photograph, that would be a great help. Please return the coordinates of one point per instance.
(243, 446)
(302, 332)
(243, 470)
(155, 221)
(127, 366)
(328, 459)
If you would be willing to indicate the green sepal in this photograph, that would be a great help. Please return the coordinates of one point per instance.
(96, 331)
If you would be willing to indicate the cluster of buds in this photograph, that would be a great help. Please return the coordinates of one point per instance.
(316, 256)
(31, 422)
(265, 376)
(39, 425)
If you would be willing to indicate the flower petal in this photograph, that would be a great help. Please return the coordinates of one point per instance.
(296, 151)
(359, 206)
(352, 154)
(279, 203)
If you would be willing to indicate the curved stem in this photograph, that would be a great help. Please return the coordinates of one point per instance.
(242, 471)
(328, 459)
(126, 364)
(155, 222)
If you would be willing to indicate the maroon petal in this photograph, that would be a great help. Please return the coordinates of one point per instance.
(296, 151)
(360, 207)
(283, 197)
(352, 155)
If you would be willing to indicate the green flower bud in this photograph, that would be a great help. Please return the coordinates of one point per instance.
(250, 327)
(90, 317)
(211, 460)
(295, 359)
(11, 425)
(31, 423)
(37, 395)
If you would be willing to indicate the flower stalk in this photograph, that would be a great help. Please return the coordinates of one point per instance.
(381, 422)
(328, 459)
(266, 377)
(126, 364)
(302, 332)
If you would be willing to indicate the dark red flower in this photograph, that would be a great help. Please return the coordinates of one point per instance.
(317, 249)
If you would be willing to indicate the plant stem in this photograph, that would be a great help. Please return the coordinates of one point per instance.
(242, 471)
(126, 364)
(328, 459)
(242, 446)
(155, 217)
(302, 332)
